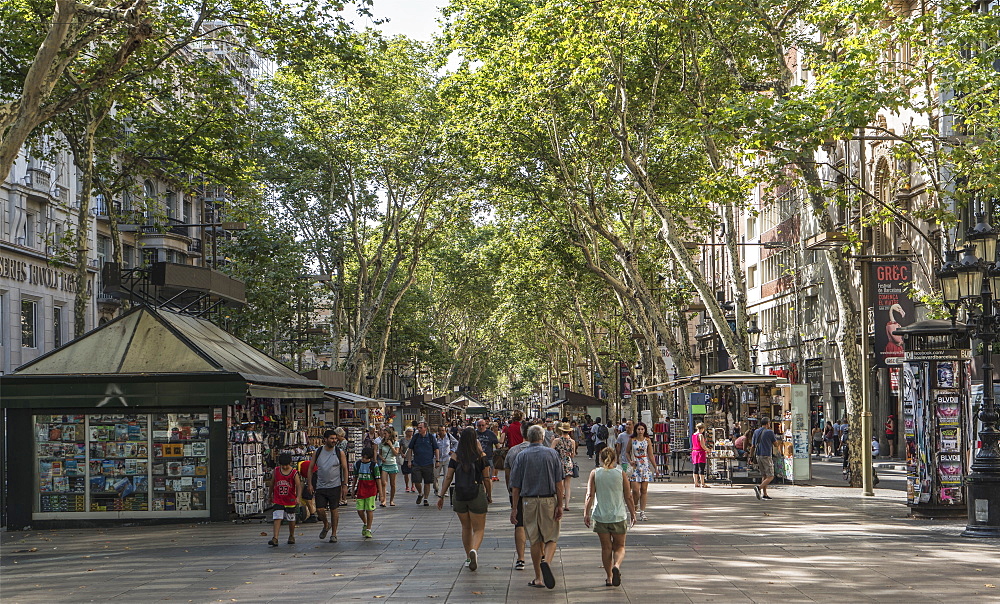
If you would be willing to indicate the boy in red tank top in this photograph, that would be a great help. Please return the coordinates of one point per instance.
(286, 488)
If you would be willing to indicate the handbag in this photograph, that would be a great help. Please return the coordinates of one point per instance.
(576, 470)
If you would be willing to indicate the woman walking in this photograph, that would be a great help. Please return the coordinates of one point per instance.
(640, 447)
(406, 457)
(699, 455)
(473, 492)
(611, 507)
(828, 440)
(565, 446)
(388, 456)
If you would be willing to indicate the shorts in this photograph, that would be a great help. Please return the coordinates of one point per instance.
(520, 511)
(539, 524)
(328, 498)
(766, 465)
(393, 469)
(423, 474)
(611, 528)
(479, 505)
(366, 504)
(286, 512)
(699, 468)
(405, 468)
(307, 494)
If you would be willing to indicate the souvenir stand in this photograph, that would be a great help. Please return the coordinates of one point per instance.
(661, 449)
(792, 461)
(937, 418)
(136, 421)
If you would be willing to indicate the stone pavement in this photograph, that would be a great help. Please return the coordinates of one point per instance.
(811, 543)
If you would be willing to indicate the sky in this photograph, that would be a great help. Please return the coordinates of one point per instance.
(412, 18)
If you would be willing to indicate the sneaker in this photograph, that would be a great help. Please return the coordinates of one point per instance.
(323, 533)
(333, 538)
(519, 565)
(764, 497)
(291, 541)
(273, 543)
(756, 491)
(312, 519)
(366, 533)
(473, 560)
(425, 502)
(419, 498)
(642, 514)
(467, 563)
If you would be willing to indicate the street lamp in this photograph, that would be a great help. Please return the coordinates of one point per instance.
(971, 281)
(753, 336)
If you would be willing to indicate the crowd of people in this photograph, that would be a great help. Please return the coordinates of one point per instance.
(538, 458)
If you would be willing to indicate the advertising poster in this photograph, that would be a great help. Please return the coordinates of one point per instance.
(625, 380)
(892, 309)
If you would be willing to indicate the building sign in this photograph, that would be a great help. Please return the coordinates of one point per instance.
(892, 309)
(37, 274)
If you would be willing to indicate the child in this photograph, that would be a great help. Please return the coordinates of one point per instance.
(368, 473)
(286, 488)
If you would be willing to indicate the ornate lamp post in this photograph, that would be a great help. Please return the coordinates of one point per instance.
(972, 281)
(753, 336)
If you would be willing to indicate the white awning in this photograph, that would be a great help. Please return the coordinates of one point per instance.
(349, 398)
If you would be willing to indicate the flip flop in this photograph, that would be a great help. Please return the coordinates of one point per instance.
(608, 583)
(550, 579)
(616, 576)
(533, 584)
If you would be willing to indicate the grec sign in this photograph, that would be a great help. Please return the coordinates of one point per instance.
(892, 307)
(37, 274)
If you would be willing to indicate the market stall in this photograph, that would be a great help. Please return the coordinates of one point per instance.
(152, 416)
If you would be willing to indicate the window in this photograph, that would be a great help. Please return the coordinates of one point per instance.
(149, 256)
(128, 256)
(28, 336)
(57, 326)
(751, 227)
(752, 277)
(29, 229)
(171, 202)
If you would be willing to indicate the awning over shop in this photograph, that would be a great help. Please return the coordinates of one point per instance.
(435, 406)
(730, 377)
(153, 358)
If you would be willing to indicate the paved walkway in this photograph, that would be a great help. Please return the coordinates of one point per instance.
(811, 543)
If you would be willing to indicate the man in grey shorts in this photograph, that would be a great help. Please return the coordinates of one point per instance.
(329, 464)
(423, 447)
(761, 449)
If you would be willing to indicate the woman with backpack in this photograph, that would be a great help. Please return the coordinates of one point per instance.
(473, 492)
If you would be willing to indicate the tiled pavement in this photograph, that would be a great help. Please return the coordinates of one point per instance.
(811, 543)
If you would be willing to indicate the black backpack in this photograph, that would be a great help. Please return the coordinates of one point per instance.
(467, 482)
(602, 432)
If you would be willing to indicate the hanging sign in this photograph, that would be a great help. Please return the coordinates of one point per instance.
(625, 380)
(892, 308)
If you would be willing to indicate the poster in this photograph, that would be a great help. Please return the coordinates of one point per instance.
(625, 380)
(892, 309)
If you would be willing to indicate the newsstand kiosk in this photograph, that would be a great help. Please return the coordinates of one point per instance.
(936, 388)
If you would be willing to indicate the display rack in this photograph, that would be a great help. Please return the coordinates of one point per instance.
(62, 457)
(118, 457)
(180, 461)
(247, 481)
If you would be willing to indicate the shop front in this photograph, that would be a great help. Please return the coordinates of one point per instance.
(144, 418)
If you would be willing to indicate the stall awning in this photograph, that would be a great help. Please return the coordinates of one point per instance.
(344, 397)
(665, 387)
(435, 406)
(735, 377)
(558, 403)
(151, 357)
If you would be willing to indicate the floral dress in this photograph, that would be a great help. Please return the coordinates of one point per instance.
(564, 447)
(643, 471)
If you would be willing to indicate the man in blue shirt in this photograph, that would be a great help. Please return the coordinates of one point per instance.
(423, 447)
(761, 449)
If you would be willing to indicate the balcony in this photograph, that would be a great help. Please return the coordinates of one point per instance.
(195, 246)
(704, 330)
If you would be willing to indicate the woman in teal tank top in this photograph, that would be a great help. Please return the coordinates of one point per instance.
(610, 506)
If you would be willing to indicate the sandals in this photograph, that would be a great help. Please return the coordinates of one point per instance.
(616, 576)
(273, 543)
(533, 584)
(547, 576)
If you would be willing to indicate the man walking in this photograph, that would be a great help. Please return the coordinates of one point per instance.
(535, 478)
(422, 445)
(488, 439)
(329, 466)
(761, 449)
(508, 464)
(622, 444)
(600, 434)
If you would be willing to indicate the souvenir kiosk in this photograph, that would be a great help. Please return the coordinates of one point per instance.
(142, 419)
(936, 416)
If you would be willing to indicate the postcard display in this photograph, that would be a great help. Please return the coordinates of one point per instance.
(127, 464)
(935, 424)
(247, 485)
